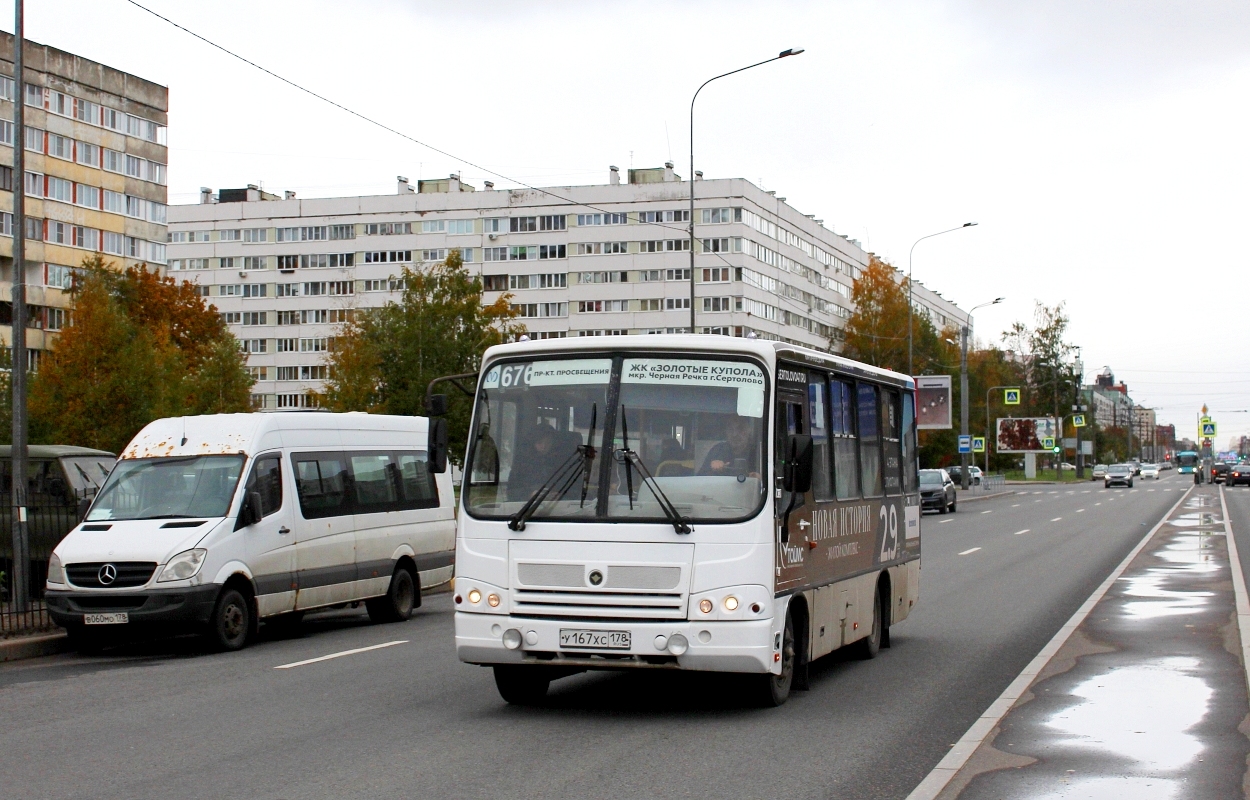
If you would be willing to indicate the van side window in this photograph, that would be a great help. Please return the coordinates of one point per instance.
(266, 478)
(373, 476)
(416, 481)
(321, 481)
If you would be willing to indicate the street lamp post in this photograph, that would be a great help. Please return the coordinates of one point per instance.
(910, 293)
(963, 387)
(793, 51)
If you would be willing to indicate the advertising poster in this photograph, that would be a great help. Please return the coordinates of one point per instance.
(933, 402)
(1025, 434)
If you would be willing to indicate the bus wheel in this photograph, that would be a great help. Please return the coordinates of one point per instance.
(522, 686)
(870, 645)
(775, 689)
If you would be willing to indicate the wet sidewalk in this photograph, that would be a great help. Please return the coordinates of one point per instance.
(1147, 697)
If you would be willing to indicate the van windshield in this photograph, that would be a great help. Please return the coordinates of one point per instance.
(156, 488)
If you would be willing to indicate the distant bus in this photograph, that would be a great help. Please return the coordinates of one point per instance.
(1187, 461)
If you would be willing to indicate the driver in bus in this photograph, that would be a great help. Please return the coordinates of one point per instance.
(738, 454)
(545, 449)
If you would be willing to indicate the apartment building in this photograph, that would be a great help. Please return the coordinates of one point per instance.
(95, 178)
(577, 260)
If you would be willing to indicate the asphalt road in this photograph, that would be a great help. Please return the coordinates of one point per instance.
(163, 719)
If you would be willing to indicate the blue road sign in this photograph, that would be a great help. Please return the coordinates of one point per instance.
(965, 444)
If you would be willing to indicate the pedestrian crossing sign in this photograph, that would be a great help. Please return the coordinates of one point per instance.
(1011, 397)
(1078, 420)
(978, 444)
(1208, 429)
(1048, 443)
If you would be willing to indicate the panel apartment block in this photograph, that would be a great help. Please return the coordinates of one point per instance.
(95, 177)
(577, 260)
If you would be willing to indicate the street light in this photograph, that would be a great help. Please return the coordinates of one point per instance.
(910, 293)
(963, 387)
(793, 51)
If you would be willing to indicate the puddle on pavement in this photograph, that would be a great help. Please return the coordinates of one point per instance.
(1193, 551)
(1142, 713)
(1116, 788)
(1162, 602)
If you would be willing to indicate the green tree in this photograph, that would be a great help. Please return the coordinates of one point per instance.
(384, 358)
(138, 347)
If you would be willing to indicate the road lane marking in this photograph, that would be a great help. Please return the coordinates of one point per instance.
(966, 552)
(1037, 501)
(961, 751)
(991, 511)
(1079, 510)
(1015, 505)
(943, 522)
(1056, 519)
(1084, 492)
(1149, 490)
(1097, 504)
(340, 655)
(1017, 533)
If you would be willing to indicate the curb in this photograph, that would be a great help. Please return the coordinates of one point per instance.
(33, 646)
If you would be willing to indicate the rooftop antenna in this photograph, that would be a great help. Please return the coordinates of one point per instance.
(184, 433)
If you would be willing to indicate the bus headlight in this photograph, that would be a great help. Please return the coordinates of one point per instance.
(492, 600)
(475, 596)
(731, 603)
(183, 566)
(705, 606)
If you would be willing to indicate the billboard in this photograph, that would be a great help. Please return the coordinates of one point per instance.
(1025, 435)
(933, 402)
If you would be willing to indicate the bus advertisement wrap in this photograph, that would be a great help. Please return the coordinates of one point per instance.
(1025, 435)
(933, 403)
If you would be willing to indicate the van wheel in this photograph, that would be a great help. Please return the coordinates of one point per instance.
(870, 645)
(774, 690)
(232, 621)
(397, 604)
(522, 686)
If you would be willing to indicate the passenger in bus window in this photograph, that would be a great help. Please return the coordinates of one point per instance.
(738, 454)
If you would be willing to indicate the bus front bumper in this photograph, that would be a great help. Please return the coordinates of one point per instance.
(735, 646)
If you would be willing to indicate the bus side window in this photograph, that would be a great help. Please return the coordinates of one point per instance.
(891, 441)
(869, 439)
(910, 477)
(842, 429)
(818, 409)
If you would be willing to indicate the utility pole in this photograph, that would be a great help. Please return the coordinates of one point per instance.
(1078, 370)
(963, 401)
(17, 362)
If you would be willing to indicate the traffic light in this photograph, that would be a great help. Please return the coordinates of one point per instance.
(1056, 450)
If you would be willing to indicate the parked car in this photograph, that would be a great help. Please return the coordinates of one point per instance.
(975, 474)
(937, 490)
(1239, 474)
(1219, 471)
(208, 524)
(1065, 466)
(1099, 471)
(1165, 465)
(1119, 475)
(956, 473)
(1149, 471)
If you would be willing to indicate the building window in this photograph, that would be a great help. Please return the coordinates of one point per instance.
(494, 254)
(677, 274)
(373, 286)
(314, 316)
(255, 262)
(60, 147)
(551, 251)
(523, 253)
(312, 345)
(651, 304)
(676, 303)
(342, 231)
(254, 318)
(341, 315)
(603, 277)
(34, 184)
(286, 290)
(314, 373)
(664, 216)
(552, 222)
(114, 243)
(541, 309)
(494, 283)
(87, 196)
(232, 317)
(602, 219)
(716, 245)
(252, 345)
(459, 226)
(254, 290)
(716, 304)
(309, 234)
(287, 345)
(339, 288)
(258, 374)
(388, 256)
(387, 228)
(495, 225)
(718, 215)
(255, 235)
(434, 255)
(596, 306)
(34, 140)
(541, 281)
(87, 154)
(522, 224)
(86, 238)
(716, 275)
(664, 246)
(433, 226)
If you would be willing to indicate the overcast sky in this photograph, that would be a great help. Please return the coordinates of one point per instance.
(1101, 147)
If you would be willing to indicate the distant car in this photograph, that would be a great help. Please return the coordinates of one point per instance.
(1066, 466)
(1149, 471)
(956, 472)
(1219, 471)
(1100, 471)
(1136, 465)
(1240, 473)
(1166, 465)
(1119, 475)
(937, 490)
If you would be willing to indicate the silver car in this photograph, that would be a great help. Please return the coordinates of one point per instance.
(1119, 475)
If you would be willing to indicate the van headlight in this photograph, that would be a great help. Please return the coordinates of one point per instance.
(183, 566)
(56, 572)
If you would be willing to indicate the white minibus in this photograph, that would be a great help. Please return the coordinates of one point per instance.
(683, 502)
(212, 523)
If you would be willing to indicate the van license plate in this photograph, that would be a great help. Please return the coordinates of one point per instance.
(594, 640)
(106, 619)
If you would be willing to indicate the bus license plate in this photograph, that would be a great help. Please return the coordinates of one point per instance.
(106, 619)
(594, 640)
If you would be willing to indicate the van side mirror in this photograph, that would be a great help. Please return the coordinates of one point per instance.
(436, 405)
(797, 477)
(253, 508)
(438, 442)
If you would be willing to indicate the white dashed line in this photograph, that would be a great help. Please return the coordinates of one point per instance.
(943, 522)
(991, 511)
(1097, 504)
(1056, 519)
(1015, 505)
(1085, 492)
(966, 552)
(1079, 510)
(1017, 533)
(340, 655)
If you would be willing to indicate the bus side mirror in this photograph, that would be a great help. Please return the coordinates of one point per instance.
(798, 472)
(436, 405)
(438, 442)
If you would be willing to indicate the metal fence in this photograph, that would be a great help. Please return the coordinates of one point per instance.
(48, 519)
(993, 483)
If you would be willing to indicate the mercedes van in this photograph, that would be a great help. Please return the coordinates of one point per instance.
(213, 523)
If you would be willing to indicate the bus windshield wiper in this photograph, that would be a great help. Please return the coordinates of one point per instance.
(564, 476)
(632, 460)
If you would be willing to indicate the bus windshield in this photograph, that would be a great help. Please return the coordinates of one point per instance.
(618, 438)
(157, 488)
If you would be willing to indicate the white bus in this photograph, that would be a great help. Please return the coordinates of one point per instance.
(683, 502)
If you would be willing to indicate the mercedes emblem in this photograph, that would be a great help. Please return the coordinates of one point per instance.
(107, 574)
